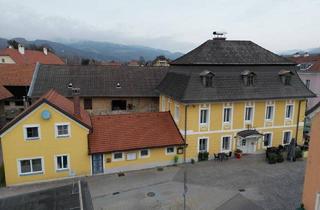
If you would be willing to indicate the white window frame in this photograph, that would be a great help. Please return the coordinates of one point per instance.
(272, 116)
(170, 153)
(31, 126)
(317, 203)
(144, 156)
(61, 124)
(251, 116)
(129, 154)
(163, 103)
(117, 159)
(283, 133)
(230, 143)
(230, 117)
(176, 112)
(56, 162)
(207, 117)
(292, 111)
(271, 139)
(30, 173)
(204, 137)
(308, 83)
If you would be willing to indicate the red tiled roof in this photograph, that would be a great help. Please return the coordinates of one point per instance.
(16, 74)
(31, 56)
(314, 60)
(133, 131)
(4, 93)
(57, 101)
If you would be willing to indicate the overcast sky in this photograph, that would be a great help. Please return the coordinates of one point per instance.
(176, 25)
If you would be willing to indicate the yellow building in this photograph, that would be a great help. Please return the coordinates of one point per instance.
(228, 95)
(55, 138)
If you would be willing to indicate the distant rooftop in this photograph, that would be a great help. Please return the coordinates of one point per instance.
(220, 51)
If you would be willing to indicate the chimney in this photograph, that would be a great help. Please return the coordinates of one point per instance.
(306, 54)
(296, 55)
(10, 47)
(76, 101)
(45, 51)
(219, 35)
(21, 49)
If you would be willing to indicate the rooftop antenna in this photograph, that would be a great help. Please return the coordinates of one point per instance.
(219, 35)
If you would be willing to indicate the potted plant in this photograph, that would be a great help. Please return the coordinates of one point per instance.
(280, 158)
(238, 153)
(272, 158)
(176, 159)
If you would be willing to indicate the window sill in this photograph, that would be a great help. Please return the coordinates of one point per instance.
(31, 174)
(115, 160)
(62, 170)
(173, 153)
(143, 157)
(61, 137)
(32, 139)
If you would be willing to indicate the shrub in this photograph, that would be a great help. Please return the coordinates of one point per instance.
(299, 153)
(280, 158)
(2, 176)
(176, 159)
(272, 158)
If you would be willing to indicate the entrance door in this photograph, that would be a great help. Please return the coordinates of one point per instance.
(97, 163)
(248, 145)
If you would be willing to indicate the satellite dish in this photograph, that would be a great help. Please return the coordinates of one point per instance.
(46, 115)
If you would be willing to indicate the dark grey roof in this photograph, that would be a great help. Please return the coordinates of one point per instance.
(183, 83)
(231, 52)
(246, 133)
(97, 81)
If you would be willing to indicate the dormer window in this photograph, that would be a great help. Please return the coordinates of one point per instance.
(248, 77)
(285, 76)
(206, 78)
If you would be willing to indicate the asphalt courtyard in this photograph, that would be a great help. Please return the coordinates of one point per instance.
(248, 183)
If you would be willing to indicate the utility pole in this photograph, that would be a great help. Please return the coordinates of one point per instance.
(185, 188)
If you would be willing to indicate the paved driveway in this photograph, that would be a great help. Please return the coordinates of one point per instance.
(211, 185)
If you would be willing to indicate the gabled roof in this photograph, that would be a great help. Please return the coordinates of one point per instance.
(60, 103)
(4, 93)
(133, 131)
(183, 83)
(31, 56)
(98, 81)
(230, 52)
(308, 64)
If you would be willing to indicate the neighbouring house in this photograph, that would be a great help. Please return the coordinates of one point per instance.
(15, 81)
(56, 138)
(227, 95)
(309, 72)
(133, 63)
(103, 89)
(311, 190)
(24, 56)
(161, 61)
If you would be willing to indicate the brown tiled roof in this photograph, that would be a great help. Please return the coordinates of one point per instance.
(313, 60)
(31, 56)
(16, 74)
(4, 93)
(133, 131)
(57, 101)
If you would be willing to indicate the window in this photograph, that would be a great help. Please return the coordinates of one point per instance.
(226, 143)
(62, 130)
(144, 153)
(203, 145)
(30, 166)
(227, 115)
(62, 162)
(308, 83)
(269, 113)
(117, 156)
(286, 137)
(170, 150)
(287, 80)
(19, 103)
(267, 140)
(2, 60)
(248, 114)
(87, 103)
(204, 116)
(132, 156)
(176, 113)
(7, 103)
(317, 205)
(289, 111)
(163, 103)
(32, 132)
(119, 105)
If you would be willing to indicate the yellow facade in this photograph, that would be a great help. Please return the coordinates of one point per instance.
(48, 146)
(215, 129)
(157, 157)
